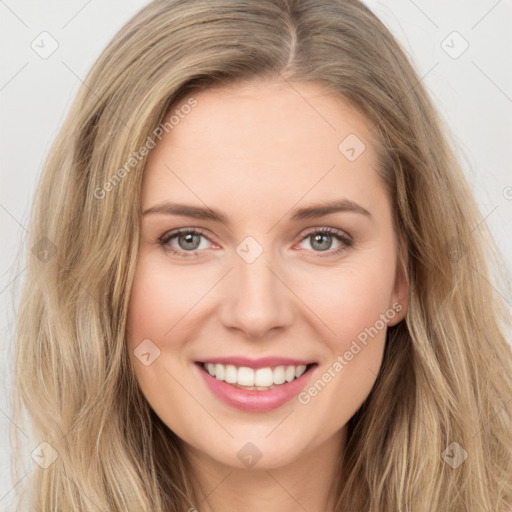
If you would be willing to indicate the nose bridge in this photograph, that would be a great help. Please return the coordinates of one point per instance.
(256, 299)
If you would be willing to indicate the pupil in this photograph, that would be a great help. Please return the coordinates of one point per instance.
(188, 240)
(319, 237)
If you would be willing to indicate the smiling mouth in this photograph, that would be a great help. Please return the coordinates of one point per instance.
(260, 379)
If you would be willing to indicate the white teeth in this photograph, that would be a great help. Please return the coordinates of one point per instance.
(220, 371)
(245, 376)
(300, 370)
(289, 373)
(262, 378)
(231, 374)
(278, 375)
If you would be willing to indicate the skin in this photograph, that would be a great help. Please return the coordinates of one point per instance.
(258, 151)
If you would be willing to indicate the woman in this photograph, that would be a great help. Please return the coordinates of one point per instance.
(258, 279)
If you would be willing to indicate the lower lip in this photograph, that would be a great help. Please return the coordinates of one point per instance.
(253, 400)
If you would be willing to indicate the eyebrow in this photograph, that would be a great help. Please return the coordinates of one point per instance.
(309, 212)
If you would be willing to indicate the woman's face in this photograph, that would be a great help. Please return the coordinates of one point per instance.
(291, 261)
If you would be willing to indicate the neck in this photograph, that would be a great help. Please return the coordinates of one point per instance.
(308, 483)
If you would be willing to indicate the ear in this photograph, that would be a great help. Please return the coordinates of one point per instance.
(399, 299)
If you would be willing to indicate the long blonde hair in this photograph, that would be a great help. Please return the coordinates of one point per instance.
(446, 373)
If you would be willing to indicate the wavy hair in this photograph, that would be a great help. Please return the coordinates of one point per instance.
(447, 367)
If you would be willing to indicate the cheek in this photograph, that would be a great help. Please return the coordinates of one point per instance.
(352, 298)
(353, 305)
(159, 299)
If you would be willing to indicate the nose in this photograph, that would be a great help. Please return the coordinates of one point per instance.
(257, 298)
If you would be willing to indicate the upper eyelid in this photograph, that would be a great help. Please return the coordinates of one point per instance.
(174, 232)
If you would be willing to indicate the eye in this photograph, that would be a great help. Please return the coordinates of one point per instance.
(188, 240)
(321, 240)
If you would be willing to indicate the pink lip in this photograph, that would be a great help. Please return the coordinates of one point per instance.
(263, 362)
(254, 400)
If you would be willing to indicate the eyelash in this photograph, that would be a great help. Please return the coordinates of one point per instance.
(164, 240)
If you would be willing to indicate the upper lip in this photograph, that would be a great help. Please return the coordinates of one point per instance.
(262, 362)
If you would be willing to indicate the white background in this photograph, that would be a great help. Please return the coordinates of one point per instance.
(473, 93)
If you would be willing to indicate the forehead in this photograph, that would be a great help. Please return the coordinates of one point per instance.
(260, 142)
